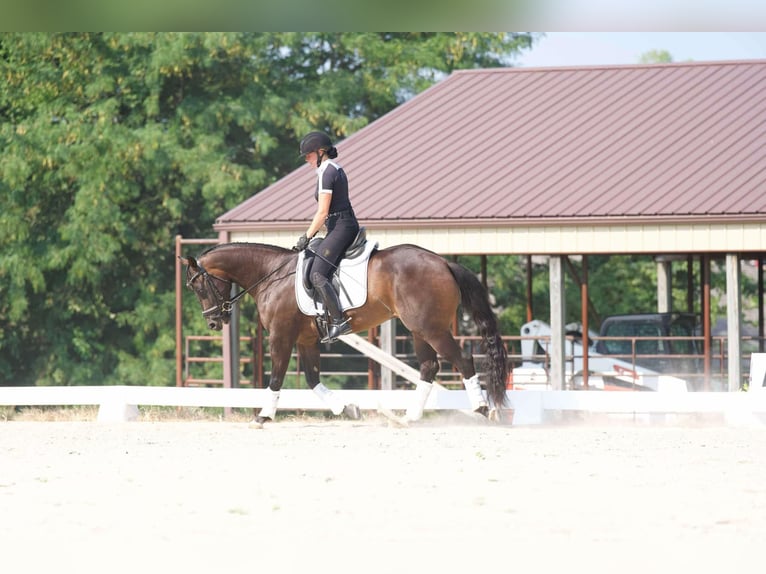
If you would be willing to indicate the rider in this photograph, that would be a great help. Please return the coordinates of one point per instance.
(333, 210)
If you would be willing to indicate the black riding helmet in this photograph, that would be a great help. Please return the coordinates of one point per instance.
(315, 141)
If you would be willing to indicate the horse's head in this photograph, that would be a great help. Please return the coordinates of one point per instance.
(211, 292)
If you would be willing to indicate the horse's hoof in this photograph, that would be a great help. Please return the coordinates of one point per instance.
(494, 415)
(483, 411)
(257, 422)
(394, 420)
(400, 422)
(352, 412)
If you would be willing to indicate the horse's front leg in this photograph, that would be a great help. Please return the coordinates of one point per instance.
(310, 357)
(280, 351)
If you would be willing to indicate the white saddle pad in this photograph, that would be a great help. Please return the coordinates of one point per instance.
(353, 283)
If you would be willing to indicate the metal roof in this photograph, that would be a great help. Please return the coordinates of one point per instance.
(507, 146)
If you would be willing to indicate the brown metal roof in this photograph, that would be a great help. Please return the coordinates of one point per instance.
(510, 144)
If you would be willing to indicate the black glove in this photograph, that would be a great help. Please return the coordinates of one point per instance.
(303, 242)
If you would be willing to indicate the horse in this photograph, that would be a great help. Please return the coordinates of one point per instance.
(418, 286)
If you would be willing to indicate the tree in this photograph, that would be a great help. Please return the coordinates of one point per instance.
(656, 57)
(112, 144)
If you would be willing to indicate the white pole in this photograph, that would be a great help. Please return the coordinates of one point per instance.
(557, 348)
(734, 319)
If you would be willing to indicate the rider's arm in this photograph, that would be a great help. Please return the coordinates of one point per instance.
(323, 208)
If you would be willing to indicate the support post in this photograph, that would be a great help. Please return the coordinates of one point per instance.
(761, 327)
(690, 284)
(373, 378)
(234, 341)
(530, 308)
(230, 340)
(179, 316)
(584, 297)
(734, 319)
(388, 345)
(706, 327)
(557, 347)
(664, 286)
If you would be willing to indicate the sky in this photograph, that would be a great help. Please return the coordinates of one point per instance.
(596, 48)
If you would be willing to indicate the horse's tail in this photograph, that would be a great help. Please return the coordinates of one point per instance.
(474, 299)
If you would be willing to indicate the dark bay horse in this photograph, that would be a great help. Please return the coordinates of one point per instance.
(418, 286)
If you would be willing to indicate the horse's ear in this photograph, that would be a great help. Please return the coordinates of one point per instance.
(190, 261)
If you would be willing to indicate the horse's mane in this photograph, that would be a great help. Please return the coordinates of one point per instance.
(273, 248)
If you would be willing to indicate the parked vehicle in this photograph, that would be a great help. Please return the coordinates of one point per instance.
(630, 352)
(662, 342)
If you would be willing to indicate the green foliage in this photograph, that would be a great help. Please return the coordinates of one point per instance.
(617, 285)
(656, 57)
(112, 144)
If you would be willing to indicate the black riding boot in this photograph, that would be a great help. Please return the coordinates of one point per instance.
(339, 324)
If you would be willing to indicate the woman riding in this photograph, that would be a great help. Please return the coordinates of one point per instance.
(334, 211)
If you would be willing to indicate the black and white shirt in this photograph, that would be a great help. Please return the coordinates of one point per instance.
(332, 179)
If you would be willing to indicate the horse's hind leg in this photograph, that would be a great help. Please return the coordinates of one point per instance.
(429, 366)
(448, 348)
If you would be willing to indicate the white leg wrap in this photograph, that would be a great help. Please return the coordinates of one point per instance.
(415, 411)
(475, 394)
(332, 400)
(270, 410)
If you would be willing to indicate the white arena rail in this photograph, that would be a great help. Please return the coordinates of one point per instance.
(119, 403)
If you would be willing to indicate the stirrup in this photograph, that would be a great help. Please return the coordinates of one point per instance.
(335, 330)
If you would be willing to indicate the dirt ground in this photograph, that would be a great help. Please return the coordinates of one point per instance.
(448, 495)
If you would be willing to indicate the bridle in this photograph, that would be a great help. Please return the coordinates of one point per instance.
(223, 306)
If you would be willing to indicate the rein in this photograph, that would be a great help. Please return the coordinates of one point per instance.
(226, 305)
(242, 293)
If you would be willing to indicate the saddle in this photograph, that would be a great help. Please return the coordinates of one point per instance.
(349, 280)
